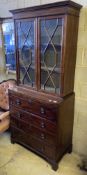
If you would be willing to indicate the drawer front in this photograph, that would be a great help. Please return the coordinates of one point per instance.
(25, 127)
(33, 106)
(43, 124)
(35, 132)
(20, 114)
(33, 143)
(50, 139)
(32, 120)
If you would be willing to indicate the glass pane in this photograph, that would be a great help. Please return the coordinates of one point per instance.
(51, 84)
(51, 50)
(9, 45)
(26, 52)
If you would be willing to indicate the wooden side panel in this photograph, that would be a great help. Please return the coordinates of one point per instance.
(65, 123)
(70, 49)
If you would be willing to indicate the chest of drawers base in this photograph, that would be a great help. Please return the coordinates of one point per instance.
(41, 126)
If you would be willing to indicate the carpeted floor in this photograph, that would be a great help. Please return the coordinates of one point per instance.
(17, 160)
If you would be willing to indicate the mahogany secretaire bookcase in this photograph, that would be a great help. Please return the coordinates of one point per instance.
(42, 103)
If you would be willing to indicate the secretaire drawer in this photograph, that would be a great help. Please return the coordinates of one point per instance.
(17, 117)
(33, 106)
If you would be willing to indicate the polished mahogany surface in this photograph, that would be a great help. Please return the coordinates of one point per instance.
(42, 103)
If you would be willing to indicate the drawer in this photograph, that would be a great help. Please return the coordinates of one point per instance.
(44, 136)
(35, 132)
(33, 106)
(32, 120)
(33, 143)
(25, 127)
(44, 124)
(20, 114)
(41, 147)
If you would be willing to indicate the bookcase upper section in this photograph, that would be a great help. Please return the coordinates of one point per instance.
(46, 43)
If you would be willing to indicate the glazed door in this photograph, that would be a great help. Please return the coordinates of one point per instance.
(26, 52)
(51, 39)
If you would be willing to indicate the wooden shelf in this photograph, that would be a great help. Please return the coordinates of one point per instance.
(50, 89)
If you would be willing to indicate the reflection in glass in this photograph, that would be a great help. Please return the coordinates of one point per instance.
(26, 52)
(9, 44)
(51, 42)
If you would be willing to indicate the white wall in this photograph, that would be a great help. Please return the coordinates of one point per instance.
(2, 55)
(6, 5)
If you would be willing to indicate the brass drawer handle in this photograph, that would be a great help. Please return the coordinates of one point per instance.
(42, 136)
(18, 102)
(42, 125)
(42, 110)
